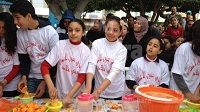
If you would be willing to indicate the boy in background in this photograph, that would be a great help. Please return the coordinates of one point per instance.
(35, 39)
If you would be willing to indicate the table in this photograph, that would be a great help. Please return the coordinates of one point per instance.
(100, 105)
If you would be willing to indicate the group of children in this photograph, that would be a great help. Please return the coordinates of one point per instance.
(39, 49)
(34, 48)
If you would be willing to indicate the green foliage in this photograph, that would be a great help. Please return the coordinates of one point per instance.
(110, 4)
(72, 4)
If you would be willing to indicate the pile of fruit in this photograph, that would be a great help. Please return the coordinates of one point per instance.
(30, 107)
(6, 105)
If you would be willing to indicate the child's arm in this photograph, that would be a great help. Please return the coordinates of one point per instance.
(184, 88)
(45, 66)
(197, 91)
(165, 77)
(88, 87)
(106, 82)
(25, 63)
(131, 76)
(77, 85)
(12, 74)
(89, 77)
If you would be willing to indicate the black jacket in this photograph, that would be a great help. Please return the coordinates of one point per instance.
(136, 49)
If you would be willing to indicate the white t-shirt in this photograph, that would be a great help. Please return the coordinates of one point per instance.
(71, 60)
(6, 65)
(187, 64)
(106, 55)
(37, 43)
(148, 72)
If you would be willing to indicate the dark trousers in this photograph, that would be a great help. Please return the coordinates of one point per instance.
(11, 93)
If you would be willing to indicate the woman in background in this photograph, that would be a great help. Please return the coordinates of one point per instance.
(96, 31)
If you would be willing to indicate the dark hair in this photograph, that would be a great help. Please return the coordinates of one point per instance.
(79, 22)
(170, 38)
(114, 18)
(162, 46)
(173, 18)
(23, 7)
(145, 16)
(109, 15)
(124, 18)
(10, 32)
(195, 37)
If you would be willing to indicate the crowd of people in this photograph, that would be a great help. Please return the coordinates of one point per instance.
(66, 62)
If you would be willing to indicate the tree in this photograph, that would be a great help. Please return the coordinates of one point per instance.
(59, 6)
(193, 6)
(56, 7)
(127, 6)
(142, 6)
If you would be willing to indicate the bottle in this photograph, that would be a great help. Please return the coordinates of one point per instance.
(130, 103)
(85, 102)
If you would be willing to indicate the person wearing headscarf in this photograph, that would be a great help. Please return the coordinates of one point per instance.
(96, 31)
(135, 40)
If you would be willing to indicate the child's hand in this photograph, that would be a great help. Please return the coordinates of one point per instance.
(22, 83)
(52, 92)
(86, 90)
(68, 100)
(197, 91)
(1, 91)
(193, 98)
(96, 94)
(40, 89)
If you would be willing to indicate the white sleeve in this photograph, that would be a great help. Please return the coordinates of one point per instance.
(93, 54)
(85, 61)
(120, 60)
(53, 38)
(165, 75)
(132, 72)
(54, 55)
(21, 47)
(113, 74)
(91, 68)
(179, 62)
(16, 59)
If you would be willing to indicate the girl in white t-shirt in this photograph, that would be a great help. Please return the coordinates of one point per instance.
(186, 66)
(71, 57)
(107, 63)
(149, 69)
(9, 63)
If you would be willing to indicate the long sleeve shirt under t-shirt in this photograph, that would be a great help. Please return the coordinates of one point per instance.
(71, 60)
(107, 56)
(186, 64)
(37, 43)
(7, 64)
(144, 71)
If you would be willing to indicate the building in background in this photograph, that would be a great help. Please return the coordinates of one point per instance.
(41, 8)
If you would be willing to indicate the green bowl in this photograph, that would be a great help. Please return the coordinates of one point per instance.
(52, 108)
(191, 104)
(188, 110)
(25, 100)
